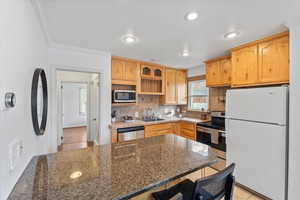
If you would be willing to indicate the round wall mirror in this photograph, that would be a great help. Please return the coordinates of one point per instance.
(39, 101)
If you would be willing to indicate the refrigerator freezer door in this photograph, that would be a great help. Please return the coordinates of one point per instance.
(267, 105)
(259, 151)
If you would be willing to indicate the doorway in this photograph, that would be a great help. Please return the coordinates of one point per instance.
(78, 109)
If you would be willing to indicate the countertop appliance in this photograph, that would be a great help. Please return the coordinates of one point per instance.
(123, 96)
(213, 134)
(130, 133)
(257, 136)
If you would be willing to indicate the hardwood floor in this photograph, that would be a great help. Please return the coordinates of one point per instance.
(75, 138)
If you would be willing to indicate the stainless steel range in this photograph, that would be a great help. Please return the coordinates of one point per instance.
(213, 134)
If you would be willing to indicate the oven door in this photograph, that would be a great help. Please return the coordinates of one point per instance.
(124, 96)
(212, 137)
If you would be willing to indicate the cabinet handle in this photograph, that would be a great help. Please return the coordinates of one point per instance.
(246, 76)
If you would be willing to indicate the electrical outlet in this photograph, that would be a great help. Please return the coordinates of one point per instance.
(15, 153)
(136, 114)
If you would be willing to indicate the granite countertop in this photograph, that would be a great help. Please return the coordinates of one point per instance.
(122, 124)
(117, 171)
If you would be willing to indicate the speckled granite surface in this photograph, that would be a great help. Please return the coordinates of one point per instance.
(118, 171)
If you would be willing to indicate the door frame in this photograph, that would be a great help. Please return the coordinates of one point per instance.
(60, 111)
(53, 138)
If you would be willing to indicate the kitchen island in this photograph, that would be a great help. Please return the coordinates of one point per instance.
(117, 171)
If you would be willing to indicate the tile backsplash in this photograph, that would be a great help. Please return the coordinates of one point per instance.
(144, 103)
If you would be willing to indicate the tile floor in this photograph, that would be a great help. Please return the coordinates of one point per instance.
(238, 194)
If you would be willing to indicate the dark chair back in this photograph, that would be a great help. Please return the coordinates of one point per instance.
(216, 186)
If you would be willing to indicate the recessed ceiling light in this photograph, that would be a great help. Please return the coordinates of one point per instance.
(185, 53)
(191, 16)
(129, 39)
(231, 35)
(76, 175)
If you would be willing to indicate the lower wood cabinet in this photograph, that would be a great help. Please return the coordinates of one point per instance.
(188, 130)
(114, 136)
(160, 129)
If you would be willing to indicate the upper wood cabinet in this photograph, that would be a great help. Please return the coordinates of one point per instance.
(218, 72)
(273, 60)
(152, 72)
(175, 87)
(170, 84)
(262, 62)
(152, 79)
(181, 84)
(124, 72)
(244, 66)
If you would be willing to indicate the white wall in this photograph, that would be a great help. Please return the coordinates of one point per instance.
(71, 105)
(196, 71)
(22, 49)
(92, 61)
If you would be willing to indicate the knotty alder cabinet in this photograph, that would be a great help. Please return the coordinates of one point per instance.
(160, 129)
(263, 62)
(181, 128)
(175, 87)
(218, 72)
(124, 72)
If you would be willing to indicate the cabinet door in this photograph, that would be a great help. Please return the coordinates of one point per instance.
(213, 74)
(130, 71)
(225, 72)
(117, 69)
(170, 93)
(274, 61)
(181, 84)
(245, 66)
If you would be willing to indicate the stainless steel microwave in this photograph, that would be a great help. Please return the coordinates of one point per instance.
(124, 96)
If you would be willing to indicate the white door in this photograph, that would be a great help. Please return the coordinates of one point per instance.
(94, 111)
(259, 151)
(267, 104)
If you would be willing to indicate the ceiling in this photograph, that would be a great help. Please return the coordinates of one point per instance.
(160, 27)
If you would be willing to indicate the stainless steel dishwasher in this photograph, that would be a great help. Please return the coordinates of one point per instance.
(130, 133)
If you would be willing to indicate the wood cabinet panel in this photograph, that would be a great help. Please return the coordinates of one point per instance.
(170, 92)
(274, 60)
(130, 71)
(159, 129)
(114, 136)
(225, 72)
(181, 85)
(212, 74)
(218, 72)
(188, 130)
(117, 70)
(124, 72)
(245, 66)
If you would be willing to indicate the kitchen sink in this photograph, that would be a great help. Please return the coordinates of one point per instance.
(152, 119)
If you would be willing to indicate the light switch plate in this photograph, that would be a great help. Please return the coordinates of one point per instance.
(15, 152)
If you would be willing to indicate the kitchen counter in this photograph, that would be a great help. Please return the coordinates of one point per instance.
(117, 171)
(121, 124)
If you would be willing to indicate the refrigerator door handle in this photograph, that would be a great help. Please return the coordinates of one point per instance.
(275, 124)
